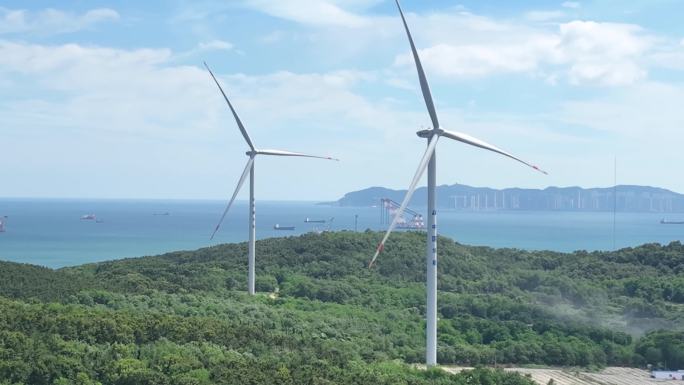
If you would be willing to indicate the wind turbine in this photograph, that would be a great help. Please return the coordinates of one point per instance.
(429, 160)
(249, 169)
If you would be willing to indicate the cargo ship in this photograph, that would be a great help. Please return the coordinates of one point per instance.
(309, 220)
(279, 227)
(666, 222)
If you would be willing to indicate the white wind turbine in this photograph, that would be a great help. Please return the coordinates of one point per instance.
(429, 160)
(249, 169)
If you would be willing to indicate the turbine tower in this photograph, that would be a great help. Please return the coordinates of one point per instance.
(429, 161)
(249, 169)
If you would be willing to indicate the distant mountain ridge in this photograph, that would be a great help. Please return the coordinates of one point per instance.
(630, 198)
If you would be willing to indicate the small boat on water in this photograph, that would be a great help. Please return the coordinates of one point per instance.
(2, 223)
(666, 222)
(309, 220)
(88, 217)
(165, 213)
(279, 227)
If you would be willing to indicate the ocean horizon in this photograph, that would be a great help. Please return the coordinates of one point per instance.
(50, 231)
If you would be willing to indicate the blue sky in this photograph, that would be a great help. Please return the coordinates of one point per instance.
(110, 100)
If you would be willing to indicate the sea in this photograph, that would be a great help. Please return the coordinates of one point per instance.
(50, 232)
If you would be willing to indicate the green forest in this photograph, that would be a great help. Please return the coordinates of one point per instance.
(322, 317)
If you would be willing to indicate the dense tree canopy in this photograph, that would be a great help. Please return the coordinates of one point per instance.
(323, 317)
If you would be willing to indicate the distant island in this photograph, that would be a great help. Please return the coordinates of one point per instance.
(462, 197)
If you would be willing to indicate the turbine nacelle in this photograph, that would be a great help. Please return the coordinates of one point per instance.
(429, 132)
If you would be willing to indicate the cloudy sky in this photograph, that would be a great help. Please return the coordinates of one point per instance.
(110, 99)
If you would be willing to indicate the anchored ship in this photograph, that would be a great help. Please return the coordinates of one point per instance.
(279, 227)
(309, 220)
(666, 222)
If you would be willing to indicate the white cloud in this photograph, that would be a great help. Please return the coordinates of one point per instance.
(74, 59)
(133, 123)
(604, 53)
(206, 46)
(465, 61)
(482, 46)
(461, 45)
(319, 13)
(129, 121)
(215, 45)
(97, 15)
(582, 52)
(51, 21)
(93, 88)
(115, 117)
(668, 59)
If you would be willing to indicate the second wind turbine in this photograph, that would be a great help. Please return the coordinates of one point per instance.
(429, 161)
(249, 169)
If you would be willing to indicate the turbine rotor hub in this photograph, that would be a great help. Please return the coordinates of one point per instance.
(428, 133)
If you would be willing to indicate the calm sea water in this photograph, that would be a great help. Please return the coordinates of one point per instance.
(50, 232)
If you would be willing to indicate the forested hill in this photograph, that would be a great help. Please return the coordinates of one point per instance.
(462, 197)
(323, 317)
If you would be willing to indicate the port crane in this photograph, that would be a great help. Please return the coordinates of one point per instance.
(389, 208)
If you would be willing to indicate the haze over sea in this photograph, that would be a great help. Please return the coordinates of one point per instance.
(51, 233)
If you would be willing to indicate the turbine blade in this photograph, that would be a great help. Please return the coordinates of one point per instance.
(465, 138)
(409, 193)
(424, 86)
(248, 167)
(290, 153)
(237, 118)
